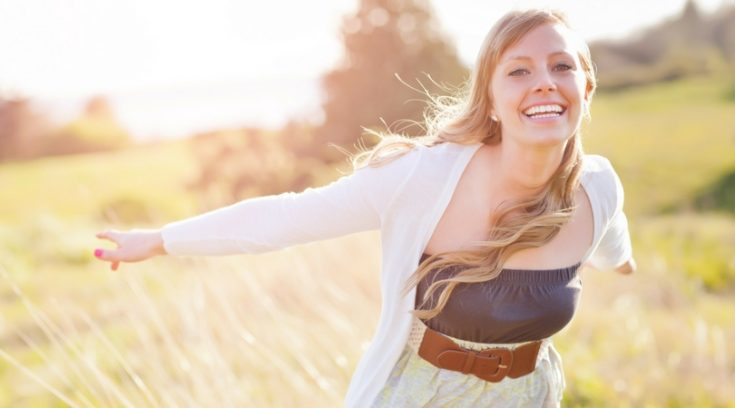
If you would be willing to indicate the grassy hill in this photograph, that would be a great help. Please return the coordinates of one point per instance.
(288, 328)
(667, 141)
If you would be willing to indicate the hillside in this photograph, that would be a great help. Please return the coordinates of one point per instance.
(253, 330)
(691, 43)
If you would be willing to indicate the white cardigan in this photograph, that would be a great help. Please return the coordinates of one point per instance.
(405, 200)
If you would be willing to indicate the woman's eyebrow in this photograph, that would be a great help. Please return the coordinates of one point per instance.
(526, 58)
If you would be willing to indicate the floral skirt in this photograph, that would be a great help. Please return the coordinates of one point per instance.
(414, 382)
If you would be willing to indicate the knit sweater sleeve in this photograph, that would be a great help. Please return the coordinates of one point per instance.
(353, 203)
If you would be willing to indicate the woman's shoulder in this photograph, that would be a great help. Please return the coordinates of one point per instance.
(600, 180)
(431, 154)
(448, 152)
(598, 169)
(595, 163)
(452, 147)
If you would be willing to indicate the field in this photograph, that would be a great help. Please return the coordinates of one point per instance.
(287, 328)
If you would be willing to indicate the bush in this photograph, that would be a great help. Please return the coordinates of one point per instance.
(86, 135)
(696, 245)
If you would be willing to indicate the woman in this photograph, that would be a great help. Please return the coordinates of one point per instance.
(484, 224)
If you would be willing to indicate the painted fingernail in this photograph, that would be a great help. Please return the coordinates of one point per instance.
(98, 253)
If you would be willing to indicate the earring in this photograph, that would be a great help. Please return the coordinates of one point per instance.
(494, 118)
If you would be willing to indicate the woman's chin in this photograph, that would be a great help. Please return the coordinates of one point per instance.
(546, 139)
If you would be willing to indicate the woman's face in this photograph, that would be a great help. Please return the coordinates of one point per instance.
(538, 88)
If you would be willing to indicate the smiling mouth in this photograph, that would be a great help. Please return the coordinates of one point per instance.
(544, 111)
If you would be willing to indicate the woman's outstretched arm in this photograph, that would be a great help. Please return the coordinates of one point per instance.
(353, 203)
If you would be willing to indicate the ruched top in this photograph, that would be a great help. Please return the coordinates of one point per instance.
(519, 305)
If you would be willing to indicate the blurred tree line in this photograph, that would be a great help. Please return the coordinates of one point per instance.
(385, 42)
(692, 43)
(26, 133)
(240, 163)
(394, 52)
(21, 129)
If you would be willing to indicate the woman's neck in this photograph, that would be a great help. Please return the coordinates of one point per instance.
(520, 171)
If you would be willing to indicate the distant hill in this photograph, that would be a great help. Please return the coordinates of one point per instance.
(691, 43)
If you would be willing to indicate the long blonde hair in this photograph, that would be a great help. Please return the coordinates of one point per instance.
(521, 224)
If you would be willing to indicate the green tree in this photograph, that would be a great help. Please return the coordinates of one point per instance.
(383, 40)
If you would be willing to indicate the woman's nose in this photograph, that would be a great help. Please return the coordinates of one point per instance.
(545, 83)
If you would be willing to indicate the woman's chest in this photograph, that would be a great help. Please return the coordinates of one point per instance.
(467, 219)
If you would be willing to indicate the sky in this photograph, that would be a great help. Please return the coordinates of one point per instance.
(171, 67)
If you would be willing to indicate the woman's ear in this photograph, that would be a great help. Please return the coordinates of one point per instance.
(492, 115)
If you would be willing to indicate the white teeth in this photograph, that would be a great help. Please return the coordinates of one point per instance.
(546, 115)
(555, 109)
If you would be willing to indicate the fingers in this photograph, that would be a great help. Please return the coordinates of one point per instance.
(104, 255)
(109, 235)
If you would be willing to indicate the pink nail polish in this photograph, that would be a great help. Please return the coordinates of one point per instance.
(98, 253)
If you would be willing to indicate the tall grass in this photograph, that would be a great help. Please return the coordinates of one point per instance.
(284, 329)
(287, 329)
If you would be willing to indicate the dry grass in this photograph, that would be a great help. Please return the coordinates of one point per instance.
(283, 329)
(287, 329)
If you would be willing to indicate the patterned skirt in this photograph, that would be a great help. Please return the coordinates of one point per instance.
(414, 382)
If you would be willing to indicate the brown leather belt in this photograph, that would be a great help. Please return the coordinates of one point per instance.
(491, 364)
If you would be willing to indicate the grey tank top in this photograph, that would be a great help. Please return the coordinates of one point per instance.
(519, 305)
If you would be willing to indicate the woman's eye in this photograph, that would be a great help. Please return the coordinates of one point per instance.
(563, 67)
(518, 72)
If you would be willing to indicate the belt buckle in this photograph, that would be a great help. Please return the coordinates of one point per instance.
(493, 364)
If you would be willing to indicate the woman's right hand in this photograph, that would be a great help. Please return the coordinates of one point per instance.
(132, 246)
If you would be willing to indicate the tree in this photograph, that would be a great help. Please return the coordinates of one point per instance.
(242, 163)
(692, 43)
(96, 129)
(385, 38)
(21, 129)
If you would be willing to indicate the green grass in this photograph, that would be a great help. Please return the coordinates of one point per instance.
(666, 141)
(81, 187)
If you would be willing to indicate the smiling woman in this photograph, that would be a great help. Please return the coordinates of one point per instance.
(485, 223)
